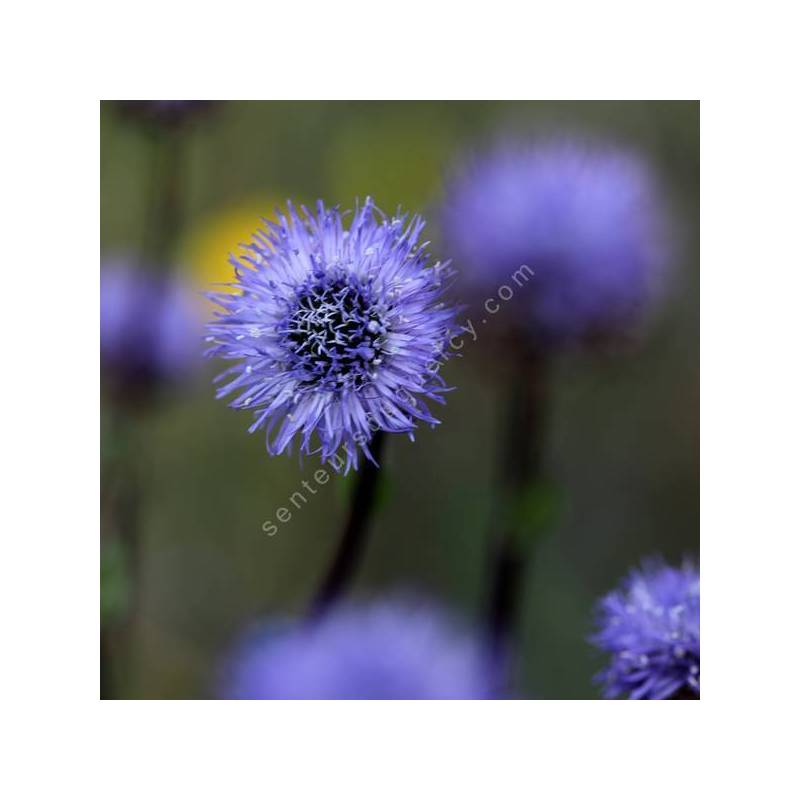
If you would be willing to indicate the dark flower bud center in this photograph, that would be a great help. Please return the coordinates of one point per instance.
(335, 334)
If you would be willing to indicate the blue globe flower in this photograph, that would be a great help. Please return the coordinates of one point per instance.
(336, 332)
(583, 218)
(389, 650)
(651, 628)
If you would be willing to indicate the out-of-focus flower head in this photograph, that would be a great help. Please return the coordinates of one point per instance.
(651, 628)
(165, 112)
(336, 331)
(390, 650)
(149, 328)
(585, 218)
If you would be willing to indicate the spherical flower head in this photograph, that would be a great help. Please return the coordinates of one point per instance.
(651, 628)
(337, 332)
(388, 650)
(584, 218)
(149, 327)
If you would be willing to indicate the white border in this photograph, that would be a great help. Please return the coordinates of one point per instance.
(61, 59)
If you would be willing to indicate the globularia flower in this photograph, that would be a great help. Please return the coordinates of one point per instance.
(337, 332)
(584, 220)
(389, 650)
(149, 327)
(651, 628)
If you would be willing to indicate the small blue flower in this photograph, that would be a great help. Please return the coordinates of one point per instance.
(651, 628)
(149, 327)
(337, 332)
(389, 650)
(584, 219)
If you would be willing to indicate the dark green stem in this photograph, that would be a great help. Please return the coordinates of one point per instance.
(166, 190)
(123, 492)
(354, 536)
(120, 511)
(520, 469)
(684, 694)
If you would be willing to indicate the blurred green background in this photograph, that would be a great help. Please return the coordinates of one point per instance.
(624, 443)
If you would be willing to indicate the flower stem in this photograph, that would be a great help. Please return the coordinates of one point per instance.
(519, 472)
(354, 536)
(684, 694)
(120, 510)
(165, 203)
(123, 482)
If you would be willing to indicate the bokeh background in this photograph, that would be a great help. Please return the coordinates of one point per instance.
(623, 447)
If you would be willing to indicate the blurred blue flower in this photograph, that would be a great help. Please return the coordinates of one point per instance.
(651, 628)
(149, 327)
(389, 650)
(336, 332)
(584, 218)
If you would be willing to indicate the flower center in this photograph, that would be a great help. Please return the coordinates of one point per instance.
(335, 334)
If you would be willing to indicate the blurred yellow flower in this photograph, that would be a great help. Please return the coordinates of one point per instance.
(209, 243)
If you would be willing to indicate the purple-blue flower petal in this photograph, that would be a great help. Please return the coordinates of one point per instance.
(651, 630)
(336, 331)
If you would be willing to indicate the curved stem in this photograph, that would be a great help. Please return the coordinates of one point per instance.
(354, 536)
